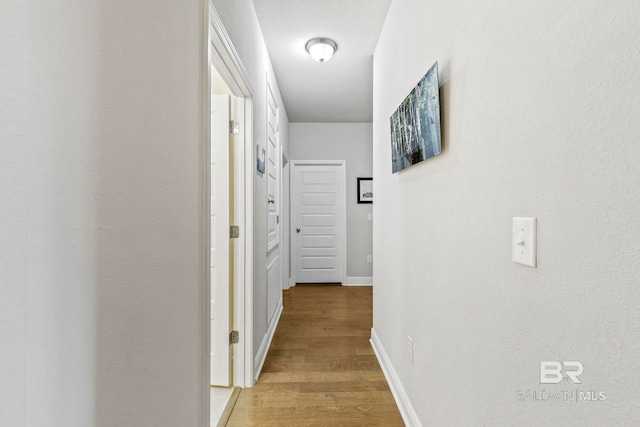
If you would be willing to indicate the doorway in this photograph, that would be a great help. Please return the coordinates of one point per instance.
(227, 86)
(318, 221)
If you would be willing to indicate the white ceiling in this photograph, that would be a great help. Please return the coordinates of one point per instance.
(339, 90)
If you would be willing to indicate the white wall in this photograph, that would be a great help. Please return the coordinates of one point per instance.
(539, 116)
(150, 205)
(101, 214)
(351, 142)
(47, 214)
(241, 22)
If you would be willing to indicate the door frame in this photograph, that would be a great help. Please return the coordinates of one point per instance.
(285, 215)
(218, 52)
(342, 164)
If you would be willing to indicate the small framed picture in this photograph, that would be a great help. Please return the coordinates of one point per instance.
(365, 190)
(260, 155)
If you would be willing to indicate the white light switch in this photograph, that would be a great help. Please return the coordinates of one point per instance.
(370, 216)
(524, 241)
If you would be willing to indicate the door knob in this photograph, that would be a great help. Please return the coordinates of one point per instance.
(297, 230)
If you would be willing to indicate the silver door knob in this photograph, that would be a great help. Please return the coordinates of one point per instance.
(297, 230)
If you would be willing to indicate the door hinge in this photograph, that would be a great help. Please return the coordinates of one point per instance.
(234, 127)
(234, 231)
(234, 337)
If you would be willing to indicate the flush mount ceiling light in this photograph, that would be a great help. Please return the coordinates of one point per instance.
(321, 49)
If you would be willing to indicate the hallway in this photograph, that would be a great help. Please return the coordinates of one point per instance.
(320, 369)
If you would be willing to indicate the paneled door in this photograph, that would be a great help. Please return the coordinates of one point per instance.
(273, 174)
(220, 243)
(318, 221)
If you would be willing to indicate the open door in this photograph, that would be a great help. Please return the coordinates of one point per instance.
(228, 200)
(220, 241)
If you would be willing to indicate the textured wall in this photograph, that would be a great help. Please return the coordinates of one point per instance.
(101, 214)
(149, 210)
(48, 160)
(103, 205)
(351, 142)
(539, 112)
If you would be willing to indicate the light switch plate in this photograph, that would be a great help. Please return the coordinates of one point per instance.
(524, 241)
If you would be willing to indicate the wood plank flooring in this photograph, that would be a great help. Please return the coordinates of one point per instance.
(320, 369)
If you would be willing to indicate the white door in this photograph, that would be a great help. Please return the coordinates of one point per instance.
(318, 221)
(220, 243)
(273, 173)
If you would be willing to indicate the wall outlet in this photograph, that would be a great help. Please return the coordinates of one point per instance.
(410, 348)
(369, 258)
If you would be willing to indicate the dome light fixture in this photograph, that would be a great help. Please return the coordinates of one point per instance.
(321, 49)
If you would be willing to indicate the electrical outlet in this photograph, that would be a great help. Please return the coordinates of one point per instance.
(369, 258)
(410, 348)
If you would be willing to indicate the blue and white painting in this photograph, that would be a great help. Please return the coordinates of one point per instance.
(260, 156)
(415, 125)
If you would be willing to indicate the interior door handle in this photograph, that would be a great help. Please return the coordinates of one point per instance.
(272, 201)
(297, 230)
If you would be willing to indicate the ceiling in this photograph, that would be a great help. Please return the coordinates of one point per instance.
(341, 89)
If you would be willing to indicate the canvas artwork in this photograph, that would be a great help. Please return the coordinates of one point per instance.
(260, 155)
(415, 125)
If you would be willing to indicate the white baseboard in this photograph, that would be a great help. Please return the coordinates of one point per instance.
(409, 415)
(359, 281)
(261, 356)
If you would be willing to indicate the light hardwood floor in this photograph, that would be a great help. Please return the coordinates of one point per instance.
(320, 369)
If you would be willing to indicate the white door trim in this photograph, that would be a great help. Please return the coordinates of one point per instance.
(343, 241)
(285, 198)
(220, 53)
